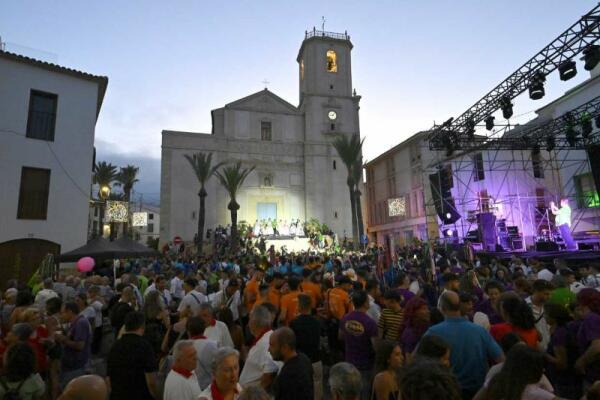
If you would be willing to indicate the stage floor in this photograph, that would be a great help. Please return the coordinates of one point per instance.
(578, 255)
(292, 245)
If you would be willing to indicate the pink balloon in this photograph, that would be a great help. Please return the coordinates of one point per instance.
(85, 264)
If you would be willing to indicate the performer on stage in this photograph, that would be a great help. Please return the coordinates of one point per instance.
(563, 221)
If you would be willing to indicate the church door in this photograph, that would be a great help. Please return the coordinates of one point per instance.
(266, 211)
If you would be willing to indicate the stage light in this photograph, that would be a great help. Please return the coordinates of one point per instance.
(489, 123)
(567, 70)
(571, 135)
(506, 106)
(449, 232)
(550, 143)
(591, 56)
(586, 125)
(448, 215)
(536, 86)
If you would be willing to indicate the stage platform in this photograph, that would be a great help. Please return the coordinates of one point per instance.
(578, 256)
(295, 244)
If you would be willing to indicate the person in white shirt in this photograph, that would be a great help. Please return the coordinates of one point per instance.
(205, 348)
(229, 298)
(373, 292)
(260, 369)
(45, 294)
(177, 285)
(215, 330)
(542, 290)
(182, 383)
(160, 284)
(225, 370)
(193, 298)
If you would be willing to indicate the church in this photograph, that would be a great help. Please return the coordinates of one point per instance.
(298, 174)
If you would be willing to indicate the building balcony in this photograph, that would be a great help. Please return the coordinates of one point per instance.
(331, 35)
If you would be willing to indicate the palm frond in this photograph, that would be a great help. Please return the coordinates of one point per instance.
(232, 177)
(201, 164)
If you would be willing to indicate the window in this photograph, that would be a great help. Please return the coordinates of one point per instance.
(150, 228)
(301, 70)
(335, 215)
(33, 194)
(333, 127)
(193, 214)
(331, 87)
(334, 165)
(537, 163)
(331, 61)
(42, 115)
(587, 195)
(478, 173)
(150, 216)
(265, 130)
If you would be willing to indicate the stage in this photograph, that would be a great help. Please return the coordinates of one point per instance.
(292, 244)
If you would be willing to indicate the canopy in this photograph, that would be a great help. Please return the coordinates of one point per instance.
(135, 249)
(102, 249)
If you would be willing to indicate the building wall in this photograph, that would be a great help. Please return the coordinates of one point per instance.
(73, 145)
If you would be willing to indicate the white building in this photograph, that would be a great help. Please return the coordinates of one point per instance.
(298, 173)
(152, 227)
(48, 115)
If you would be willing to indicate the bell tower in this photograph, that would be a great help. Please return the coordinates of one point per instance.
(330, 108)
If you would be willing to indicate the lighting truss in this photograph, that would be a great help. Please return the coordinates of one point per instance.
(566, 46)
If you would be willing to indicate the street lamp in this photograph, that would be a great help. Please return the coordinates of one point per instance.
(103, 194)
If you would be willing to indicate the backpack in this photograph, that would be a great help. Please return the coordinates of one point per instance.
(11, 394)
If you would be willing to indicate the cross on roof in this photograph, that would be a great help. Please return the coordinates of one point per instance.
(265, 82)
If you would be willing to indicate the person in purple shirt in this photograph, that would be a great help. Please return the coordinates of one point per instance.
(76, 343)
(588, 336)
(402, 283)
(416, 322)
(489, 306)
(359, 333)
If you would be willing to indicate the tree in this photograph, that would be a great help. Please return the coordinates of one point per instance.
(126, 178)
(232, 178)
(202, 165)
(104, 175)
(349, 149)
(357, 174)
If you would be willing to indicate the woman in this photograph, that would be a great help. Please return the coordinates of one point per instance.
(24, 301)
(416, 322)
(435, 348)
(53, 307)
(588, 335)
(519, 319)
(20, 375)
(157, 321)
(226, 368)
(39, 338)
(388, 359)
(470, 284)
(519, 377)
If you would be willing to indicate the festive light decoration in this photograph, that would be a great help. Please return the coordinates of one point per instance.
(116, 211)
(140, 219)
(397, 207)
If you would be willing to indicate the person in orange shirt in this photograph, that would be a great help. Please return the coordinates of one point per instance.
(311, 288)
(338, 299)
(289, 301)
(275, 289)
(251, 290)
(263, 295)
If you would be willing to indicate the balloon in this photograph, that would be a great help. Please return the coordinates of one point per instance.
(85, 264)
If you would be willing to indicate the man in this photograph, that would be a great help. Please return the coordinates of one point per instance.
(311, 288)
(489, 306)
(45, 294)
(131, 365)
(345, 382)
(215, 330)
(308, 340)
(206, 350)
(76, 343)
(289, 302)
(338, 298)
(229, 298)
(190, 304)
(542, 291)
(391, 317)
(563, 221)
(450, 282)
(182, 383)
(160, 284)
(177, 285)
(373, 292)
(472, 346)
(251, 290)
(359, 332)
(259, 369)
(295, 380)
(275, 289)
(88, 387)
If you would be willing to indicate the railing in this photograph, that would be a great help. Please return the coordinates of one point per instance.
(332, 35)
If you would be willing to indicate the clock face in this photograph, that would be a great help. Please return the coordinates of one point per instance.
(332, 115)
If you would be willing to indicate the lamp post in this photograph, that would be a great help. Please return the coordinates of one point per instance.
(103, 193)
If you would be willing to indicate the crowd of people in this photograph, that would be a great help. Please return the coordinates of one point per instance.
(427, 323)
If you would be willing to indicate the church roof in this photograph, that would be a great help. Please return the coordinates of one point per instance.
(264, 96)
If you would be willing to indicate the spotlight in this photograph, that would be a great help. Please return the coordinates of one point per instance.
(591, 56)
(550, 143)
(536, 86)
(586, 125)
(506, 106)
(448, 215)
(470, 128)
(571, 136)
(449, 232)
(567, 70)
(489, 123)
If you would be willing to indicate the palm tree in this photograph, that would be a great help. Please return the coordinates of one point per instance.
(357, 175)
(349, 150)
(232, 178)
(202, 165)
(104, 175)
(126, 178)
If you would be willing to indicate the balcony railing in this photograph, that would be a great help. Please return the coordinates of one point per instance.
(332, 35)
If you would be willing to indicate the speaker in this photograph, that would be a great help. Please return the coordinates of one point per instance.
(441, 182)
(593, 152)
(487, 230)
(543, 245)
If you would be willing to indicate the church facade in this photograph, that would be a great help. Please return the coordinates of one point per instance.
(298, 174)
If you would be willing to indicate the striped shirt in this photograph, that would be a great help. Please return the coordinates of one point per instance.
(389, 324)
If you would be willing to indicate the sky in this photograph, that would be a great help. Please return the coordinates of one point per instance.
(170, 62)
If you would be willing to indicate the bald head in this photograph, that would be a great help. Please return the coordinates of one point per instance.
(450, 303)
(86, 387)
(285, 337)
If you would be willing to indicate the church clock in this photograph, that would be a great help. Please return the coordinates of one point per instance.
(332, 115)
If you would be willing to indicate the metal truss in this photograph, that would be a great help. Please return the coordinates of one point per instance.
(583, 33)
